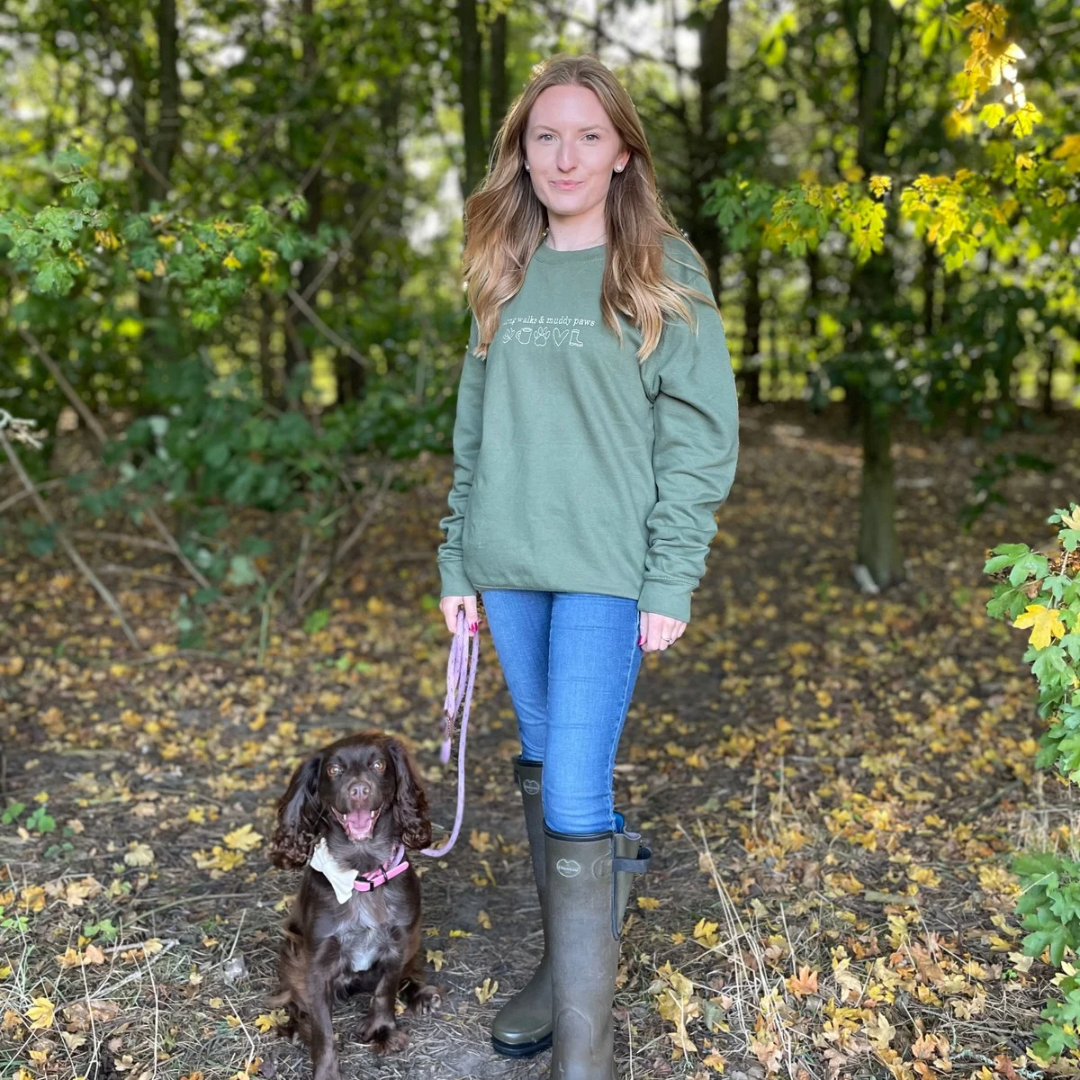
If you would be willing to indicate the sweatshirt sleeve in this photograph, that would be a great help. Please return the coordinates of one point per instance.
(696, 445)
(468, 426)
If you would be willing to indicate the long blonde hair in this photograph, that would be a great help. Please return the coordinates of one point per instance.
(505, 221)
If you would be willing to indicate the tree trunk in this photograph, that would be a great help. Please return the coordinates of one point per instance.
(168, 132)
(469, 87)
(751, 354)
(871, 292)
(708, 144)
(929, 288)
(295, 352)
(497, 85)
(1051, 367)
(879, 548)
(266, 359)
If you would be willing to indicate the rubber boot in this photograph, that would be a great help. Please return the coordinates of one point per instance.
(583, 882)
(522, 1027)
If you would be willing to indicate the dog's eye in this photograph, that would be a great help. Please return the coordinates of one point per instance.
(378, 765)
(333, 769)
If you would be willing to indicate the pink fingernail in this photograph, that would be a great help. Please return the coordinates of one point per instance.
(472, 629)
(639, 639)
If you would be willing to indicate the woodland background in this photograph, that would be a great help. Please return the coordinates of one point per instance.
(232, 322)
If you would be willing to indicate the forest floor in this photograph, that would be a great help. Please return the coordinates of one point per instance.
(831, 785)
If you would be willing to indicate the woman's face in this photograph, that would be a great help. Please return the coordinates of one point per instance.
(572, 149)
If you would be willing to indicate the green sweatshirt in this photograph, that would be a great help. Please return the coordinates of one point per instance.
(577, 469)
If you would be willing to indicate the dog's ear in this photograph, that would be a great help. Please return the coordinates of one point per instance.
(410, 804)
(299, 813)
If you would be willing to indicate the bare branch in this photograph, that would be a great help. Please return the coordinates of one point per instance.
(65, 543)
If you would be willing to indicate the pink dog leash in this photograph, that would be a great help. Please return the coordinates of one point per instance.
(460, 660)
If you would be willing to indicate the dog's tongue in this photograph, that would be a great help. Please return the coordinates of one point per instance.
(359, 823)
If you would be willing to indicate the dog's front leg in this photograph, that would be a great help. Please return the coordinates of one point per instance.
(322, 970)
(379, 1027)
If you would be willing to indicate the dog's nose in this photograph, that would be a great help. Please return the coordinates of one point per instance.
(360, 791)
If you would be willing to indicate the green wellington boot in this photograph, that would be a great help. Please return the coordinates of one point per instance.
(583, 879)
(522, 1027)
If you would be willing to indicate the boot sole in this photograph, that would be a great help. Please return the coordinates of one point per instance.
(521, 1050)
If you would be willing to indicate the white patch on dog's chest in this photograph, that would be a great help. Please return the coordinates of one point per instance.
(363, 951)
(365, 937)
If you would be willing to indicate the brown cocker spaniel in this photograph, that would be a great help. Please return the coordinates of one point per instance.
(348, 815)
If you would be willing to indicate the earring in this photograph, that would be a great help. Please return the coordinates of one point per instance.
(526, 166)
(618, 168)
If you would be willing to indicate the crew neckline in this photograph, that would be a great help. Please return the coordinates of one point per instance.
(546, 253)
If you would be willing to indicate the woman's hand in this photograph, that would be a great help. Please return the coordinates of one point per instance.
(449, 606)
(658, 631)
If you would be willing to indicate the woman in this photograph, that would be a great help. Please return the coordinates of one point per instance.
(596, 434)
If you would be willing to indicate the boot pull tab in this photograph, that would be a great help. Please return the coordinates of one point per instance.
(622, 864)
(633, 866)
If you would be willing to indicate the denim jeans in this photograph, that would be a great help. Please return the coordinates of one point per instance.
(570, 661)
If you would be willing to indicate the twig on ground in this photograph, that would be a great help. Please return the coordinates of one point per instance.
(996, 797)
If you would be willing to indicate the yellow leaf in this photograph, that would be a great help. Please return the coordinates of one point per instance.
(139, 854)
(435, 957)
(484, 919)
(803, 983)
(484, 992)
(71, 958)
(1045, 624)
(129, 328)
(231, 262)
(243, 839)
(706, 933)
(268, 1021)
(32, 898)
(78, 892)
(714, 1061)
(648, 903)
(480, 841)
(40, 1014)
(880, 184)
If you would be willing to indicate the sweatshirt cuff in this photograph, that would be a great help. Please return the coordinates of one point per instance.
(454, 581)
(665, 598)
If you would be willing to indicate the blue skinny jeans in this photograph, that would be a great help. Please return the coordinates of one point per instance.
(570, 661)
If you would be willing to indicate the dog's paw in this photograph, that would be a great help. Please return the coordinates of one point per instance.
(425, 1000)
(388, 1040)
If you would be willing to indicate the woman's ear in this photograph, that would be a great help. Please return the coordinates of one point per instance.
(299, 812)
(410, 804)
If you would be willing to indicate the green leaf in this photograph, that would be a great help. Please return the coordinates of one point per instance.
(1031, 565)
(242, 571)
